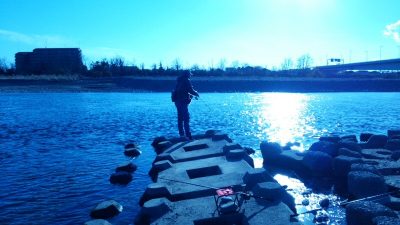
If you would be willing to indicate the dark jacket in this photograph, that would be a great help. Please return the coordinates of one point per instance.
(184, 90)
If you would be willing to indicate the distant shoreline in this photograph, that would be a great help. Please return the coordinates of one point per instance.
(202, 84)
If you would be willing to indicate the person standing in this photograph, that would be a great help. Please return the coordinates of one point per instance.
(182, 96)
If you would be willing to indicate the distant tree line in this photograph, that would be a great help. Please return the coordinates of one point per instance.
(6, 69)
(118, 67)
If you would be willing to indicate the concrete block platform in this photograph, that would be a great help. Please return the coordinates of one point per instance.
(203, 211)
(196, 149)
(188, 175)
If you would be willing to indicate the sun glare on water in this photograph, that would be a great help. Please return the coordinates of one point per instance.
(282, 117)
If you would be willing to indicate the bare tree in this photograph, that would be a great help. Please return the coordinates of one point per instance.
(287, 64)
(304, 62)
(221, 64)
(235, 64)
(176, 64)
(195, 67)
(160, 67)
(3, 66)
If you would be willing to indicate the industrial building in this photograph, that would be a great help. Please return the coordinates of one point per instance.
(49, 61)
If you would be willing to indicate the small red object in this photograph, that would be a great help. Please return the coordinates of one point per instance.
(225, 192)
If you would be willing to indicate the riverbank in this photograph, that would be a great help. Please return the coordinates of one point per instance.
(202, 84)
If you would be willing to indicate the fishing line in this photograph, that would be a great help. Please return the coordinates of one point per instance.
(246, 195)
(344, 203)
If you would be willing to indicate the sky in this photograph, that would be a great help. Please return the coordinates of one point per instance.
(207, 33)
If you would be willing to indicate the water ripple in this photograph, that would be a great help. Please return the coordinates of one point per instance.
(57, 150)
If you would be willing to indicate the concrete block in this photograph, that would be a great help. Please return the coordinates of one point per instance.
(376, 141)
(106, 209)
(365, 136)
(121, 178)
(272, 191)
(363, 184)
(156, 207)
(333, 139)
(342, 165)
(376, 153)
(391, 133)
(154, 190)
(363, 212)
(327, 147)
(97, 222)
(126, 167)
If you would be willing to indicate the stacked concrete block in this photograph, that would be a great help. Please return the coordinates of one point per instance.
(188, 175)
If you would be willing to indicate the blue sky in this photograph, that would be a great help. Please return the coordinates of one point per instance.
(204, 32)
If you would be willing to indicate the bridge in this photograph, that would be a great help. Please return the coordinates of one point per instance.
(388, 64)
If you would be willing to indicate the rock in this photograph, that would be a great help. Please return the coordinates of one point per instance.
(364, 167)
(395, 155)
(376, 141)
(333, 139)
(385, 220)
(322, 217)
(324, 203)
(376, 153)
(305, 202)
(270, 149)
(127, 167)
(319, 163)
(348, 152)
(106, 209)
(132, 152)
(391, 133)
(326, 147)
(363, 212)
(349, 145)
(365, 136)
(342, 165)
(363, 184)
(272, 191)
(352, 138)
(97, 222)
(120, 178)
(393, 144)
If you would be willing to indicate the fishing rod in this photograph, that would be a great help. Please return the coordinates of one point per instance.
(247, 195)
(344, 203)
(202, 100)
(193, 184)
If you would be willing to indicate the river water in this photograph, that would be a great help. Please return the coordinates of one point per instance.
(57, 150)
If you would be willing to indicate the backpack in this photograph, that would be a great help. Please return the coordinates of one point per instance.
(173, 96)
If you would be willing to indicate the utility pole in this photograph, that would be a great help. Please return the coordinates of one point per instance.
(350, 56)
